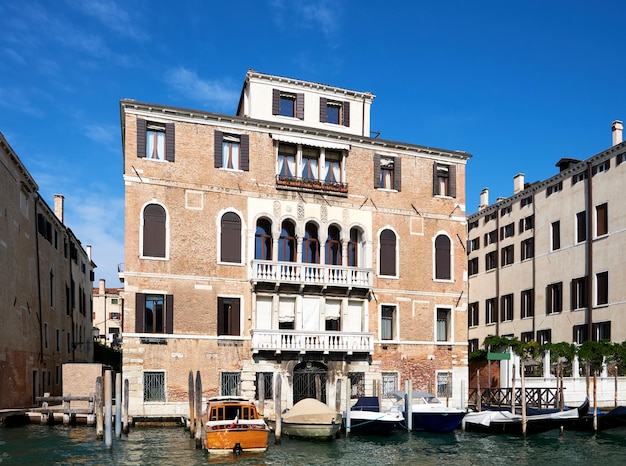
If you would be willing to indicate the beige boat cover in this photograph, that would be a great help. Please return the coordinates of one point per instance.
(311, 411)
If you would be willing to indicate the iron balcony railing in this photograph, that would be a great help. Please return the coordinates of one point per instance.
(311, 274)
(305, 341)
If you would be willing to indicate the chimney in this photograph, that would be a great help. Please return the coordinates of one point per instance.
(484, 199)
(88, 251)
(58, 206)
(617, 128)
(102, 290)
(518, 183)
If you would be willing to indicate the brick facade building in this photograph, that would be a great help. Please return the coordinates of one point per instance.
(285, 241)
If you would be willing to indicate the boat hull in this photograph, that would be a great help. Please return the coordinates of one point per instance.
(370, 423)
(440, 422)
(252, 439)
(305, 430)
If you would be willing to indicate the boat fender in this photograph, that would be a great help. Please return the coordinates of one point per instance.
(237, 449)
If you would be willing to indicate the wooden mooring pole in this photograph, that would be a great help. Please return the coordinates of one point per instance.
(98, 409)
(125, 426)
(118, 405)
(278, 408)
(108, 414)
(192, 410)
(199, 423)
(348, 395)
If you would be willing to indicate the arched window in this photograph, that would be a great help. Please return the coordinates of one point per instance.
(287, 242)
(387, 253)
(442, 258)
(154, 231)
(354, 247)
(333, 246)
(231, 238)
(311, 246)
(263, 240)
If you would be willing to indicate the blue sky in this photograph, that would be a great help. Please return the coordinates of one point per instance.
(518, 84)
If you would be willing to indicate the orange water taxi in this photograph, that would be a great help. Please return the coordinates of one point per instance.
(232, 425)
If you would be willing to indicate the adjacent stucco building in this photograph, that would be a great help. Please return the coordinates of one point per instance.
(46, 277)
(285, 241)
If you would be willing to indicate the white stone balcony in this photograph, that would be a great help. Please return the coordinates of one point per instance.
(311, 274)
(307, 341)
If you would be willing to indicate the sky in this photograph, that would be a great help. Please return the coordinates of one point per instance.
(518, 84)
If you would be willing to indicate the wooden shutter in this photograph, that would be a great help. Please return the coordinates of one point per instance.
(387, 253)
(275, 102)
(244, 152)
(397, 174)
(300, 106)
(141, 137)
(217, 155)
(154, 231)
(169, 142)
(376, 171)
(231, 238)
(442, 257)
(435, 185)
(346, 113)
(452, 181)
(140, 309)
(601, 220)
(234, 327)
(323, 110)
(220, 316)
(169, 313)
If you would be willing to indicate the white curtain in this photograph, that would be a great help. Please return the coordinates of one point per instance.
(155, 145)
(264, 312)
(230, 154)
(332, 172)
(310, 314)
(290, 169)
(286, 310)
(333, 310)
(353, 322)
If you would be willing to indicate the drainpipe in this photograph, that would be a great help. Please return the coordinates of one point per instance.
(589, 252)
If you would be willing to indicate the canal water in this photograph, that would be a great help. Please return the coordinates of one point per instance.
(44, 445)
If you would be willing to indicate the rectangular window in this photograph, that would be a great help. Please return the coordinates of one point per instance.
(45, 335)
(490, 217)
(473, 315)
(507, 231)
(287, 104)
(601, 167)
(390, 383)
(580, 334)
(473, 245)
(473, 345)
(581, 226)
(491, 237)
(508, 255)
(526, 201)
(286, 168)
(472, 266)
(230, 384)
(528, 248)
(472, 225)
(579, 293)
(527, 223)
(268, 385)
(444, 384)
(601, 331)
(231, 151)
(444, 180)
(443, 324)
(554, 298)
(387, 322)
(332, 167)
(527, 303)
(544, 336)
(310, 163)
(579, 177)
(154, 386)
(602, 288)
(334, 112)
(154, 313)
(228, 316)
(490, 311)
(386, 173)
(506, 211)
(155, 141)
(525, 337)
(507, 308)
(491, 260)
(357, 384)
(555, 188)
(602, 220)
(556, 235)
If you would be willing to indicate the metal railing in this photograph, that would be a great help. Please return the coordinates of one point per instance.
(303, 341)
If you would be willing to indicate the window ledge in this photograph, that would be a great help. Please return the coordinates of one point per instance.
(152, 258)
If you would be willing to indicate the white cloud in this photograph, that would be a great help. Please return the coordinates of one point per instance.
(214, 93)
(322, 15)
(112, 15)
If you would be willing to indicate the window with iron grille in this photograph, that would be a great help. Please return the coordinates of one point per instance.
(268, 385)
(231, 384)
(390, 382)
(444, 384)
(154, 386)
(357, 384)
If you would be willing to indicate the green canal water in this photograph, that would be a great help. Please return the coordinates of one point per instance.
(35, 444)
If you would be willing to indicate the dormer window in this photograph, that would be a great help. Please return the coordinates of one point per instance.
(288, 104)
(334, 112)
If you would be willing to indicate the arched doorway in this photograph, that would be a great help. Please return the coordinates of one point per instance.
(309, 381)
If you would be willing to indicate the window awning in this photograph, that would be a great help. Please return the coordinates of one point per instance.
(310, 142)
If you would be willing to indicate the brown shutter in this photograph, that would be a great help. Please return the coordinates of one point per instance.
(435, 186)
(452, 181)
(140, 309)
(275, 102)
(376, 171)
(244, 152)
(442, 257)
(141, 137)
(397, 174)
(346, 113)
(300, 106)
(387, 253)
(154, 231)
(323, 108)
(231, 238)
(169, 142)
(220, 316)
(217, 156)
(169, 313)
(234, 318)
